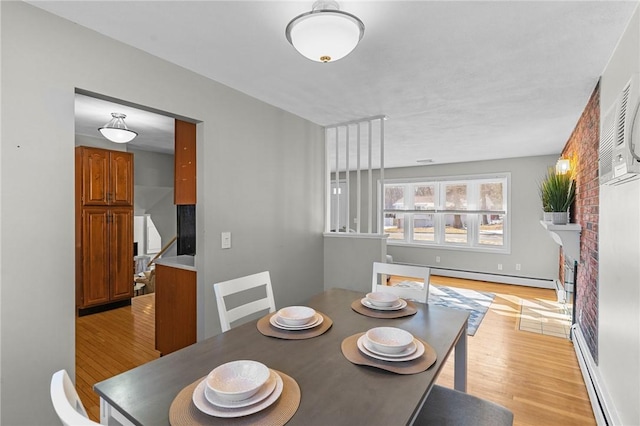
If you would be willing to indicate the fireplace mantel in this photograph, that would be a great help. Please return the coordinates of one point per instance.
(567, 236)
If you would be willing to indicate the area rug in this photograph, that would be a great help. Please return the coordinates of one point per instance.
(475, 302)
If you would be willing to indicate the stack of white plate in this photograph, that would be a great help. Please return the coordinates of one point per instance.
(296, 318)
(383, 301)
(237, 389)
(390, 344)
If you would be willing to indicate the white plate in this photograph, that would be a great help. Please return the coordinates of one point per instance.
(400, 305)
(202, 404)
(417, 354)
(274, 322)
(407, 352)
(317, 319)
(264, 391)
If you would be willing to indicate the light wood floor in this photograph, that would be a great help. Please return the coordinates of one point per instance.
(534, 375)
(112, 342)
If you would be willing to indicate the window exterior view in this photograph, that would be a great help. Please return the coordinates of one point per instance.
(455, 212)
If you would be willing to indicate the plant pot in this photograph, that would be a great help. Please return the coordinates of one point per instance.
(547, 216)
(560, 218)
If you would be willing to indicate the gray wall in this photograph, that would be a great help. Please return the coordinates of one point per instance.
(531, 245)
(98, 142)
(260, 175)
(619, 257)
(348, 259)
(153, 178)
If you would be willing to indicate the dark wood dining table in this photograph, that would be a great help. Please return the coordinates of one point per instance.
(333, 390)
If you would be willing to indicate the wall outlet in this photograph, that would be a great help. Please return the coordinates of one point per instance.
(437, 259)
(518, 267)
(499, 266)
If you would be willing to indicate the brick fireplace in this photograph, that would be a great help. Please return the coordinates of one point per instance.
(582, 150)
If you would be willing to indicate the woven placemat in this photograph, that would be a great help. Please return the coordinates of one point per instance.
(352, 353)
(183, 412)
(265, 327)
(408, 310)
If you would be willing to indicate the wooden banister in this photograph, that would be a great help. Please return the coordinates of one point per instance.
(165, 248)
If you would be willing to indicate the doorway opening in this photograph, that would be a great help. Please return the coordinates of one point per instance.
(153, 224)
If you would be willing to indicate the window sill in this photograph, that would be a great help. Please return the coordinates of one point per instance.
(503, 250)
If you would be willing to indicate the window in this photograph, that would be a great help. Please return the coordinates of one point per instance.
(463, 213)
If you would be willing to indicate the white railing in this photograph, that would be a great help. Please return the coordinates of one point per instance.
(344, 144)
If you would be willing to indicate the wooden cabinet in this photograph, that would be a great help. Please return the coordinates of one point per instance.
(106, 177)
(175, 308)
(185, 163)
(104, 226)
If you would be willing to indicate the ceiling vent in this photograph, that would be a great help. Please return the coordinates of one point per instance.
(619, 134)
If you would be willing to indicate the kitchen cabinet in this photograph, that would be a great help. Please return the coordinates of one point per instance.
(104, 226)
(106, 177)
(185, 163)
(175, 306)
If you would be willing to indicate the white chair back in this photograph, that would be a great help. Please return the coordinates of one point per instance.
(226, 288)
(66, 401)
(409, 288)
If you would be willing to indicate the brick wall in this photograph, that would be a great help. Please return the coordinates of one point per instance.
(582, 150)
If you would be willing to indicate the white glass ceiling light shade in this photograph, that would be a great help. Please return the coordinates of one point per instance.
(116, 131)
(325, 34)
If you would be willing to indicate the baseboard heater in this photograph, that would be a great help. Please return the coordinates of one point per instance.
(485, 276)
(603, 410)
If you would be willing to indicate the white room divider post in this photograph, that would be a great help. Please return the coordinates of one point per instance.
(343, 143)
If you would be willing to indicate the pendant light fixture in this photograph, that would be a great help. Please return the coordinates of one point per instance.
(325, 34)
(116, 130)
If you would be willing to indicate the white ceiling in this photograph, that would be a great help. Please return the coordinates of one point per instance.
(155, 132)
(458, 80)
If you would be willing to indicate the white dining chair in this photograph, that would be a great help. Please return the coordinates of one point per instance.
(408, 288)
(237, 285)
(66, 401)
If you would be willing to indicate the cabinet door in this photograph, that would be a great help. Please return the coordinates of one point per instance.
(175, 308)
(95, 176)
(121, 253)
(185, 163)
(121, 178)
(95, 256)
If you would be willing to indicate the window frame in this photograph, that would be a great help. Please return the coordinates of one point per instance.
(472, 212)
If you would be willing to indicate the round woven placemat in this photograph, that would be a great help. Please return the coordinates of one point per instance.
(408, 310)
(265, 327)
(352, 353)
(184, 413)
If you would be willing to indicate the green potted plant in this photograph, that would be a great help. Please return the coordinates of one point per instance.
(557, 192)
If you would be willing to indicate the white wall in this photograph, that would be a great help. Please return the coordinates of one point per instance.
(619, 256)
(260, 175)
(531, 245)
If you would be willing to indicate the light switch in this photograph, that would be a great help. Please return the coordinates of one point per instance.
(226, 240)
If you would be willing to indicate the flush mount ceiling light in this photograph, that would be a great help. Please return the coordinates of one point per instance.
(325, 34)
(116, 131)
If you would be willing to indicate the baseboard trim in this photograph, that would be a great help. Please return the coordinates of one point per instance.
(101, 308)
(494, 278)
(601, 404)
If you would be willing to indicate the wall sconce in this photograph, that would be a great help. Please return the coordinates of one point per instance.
(563, 166)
